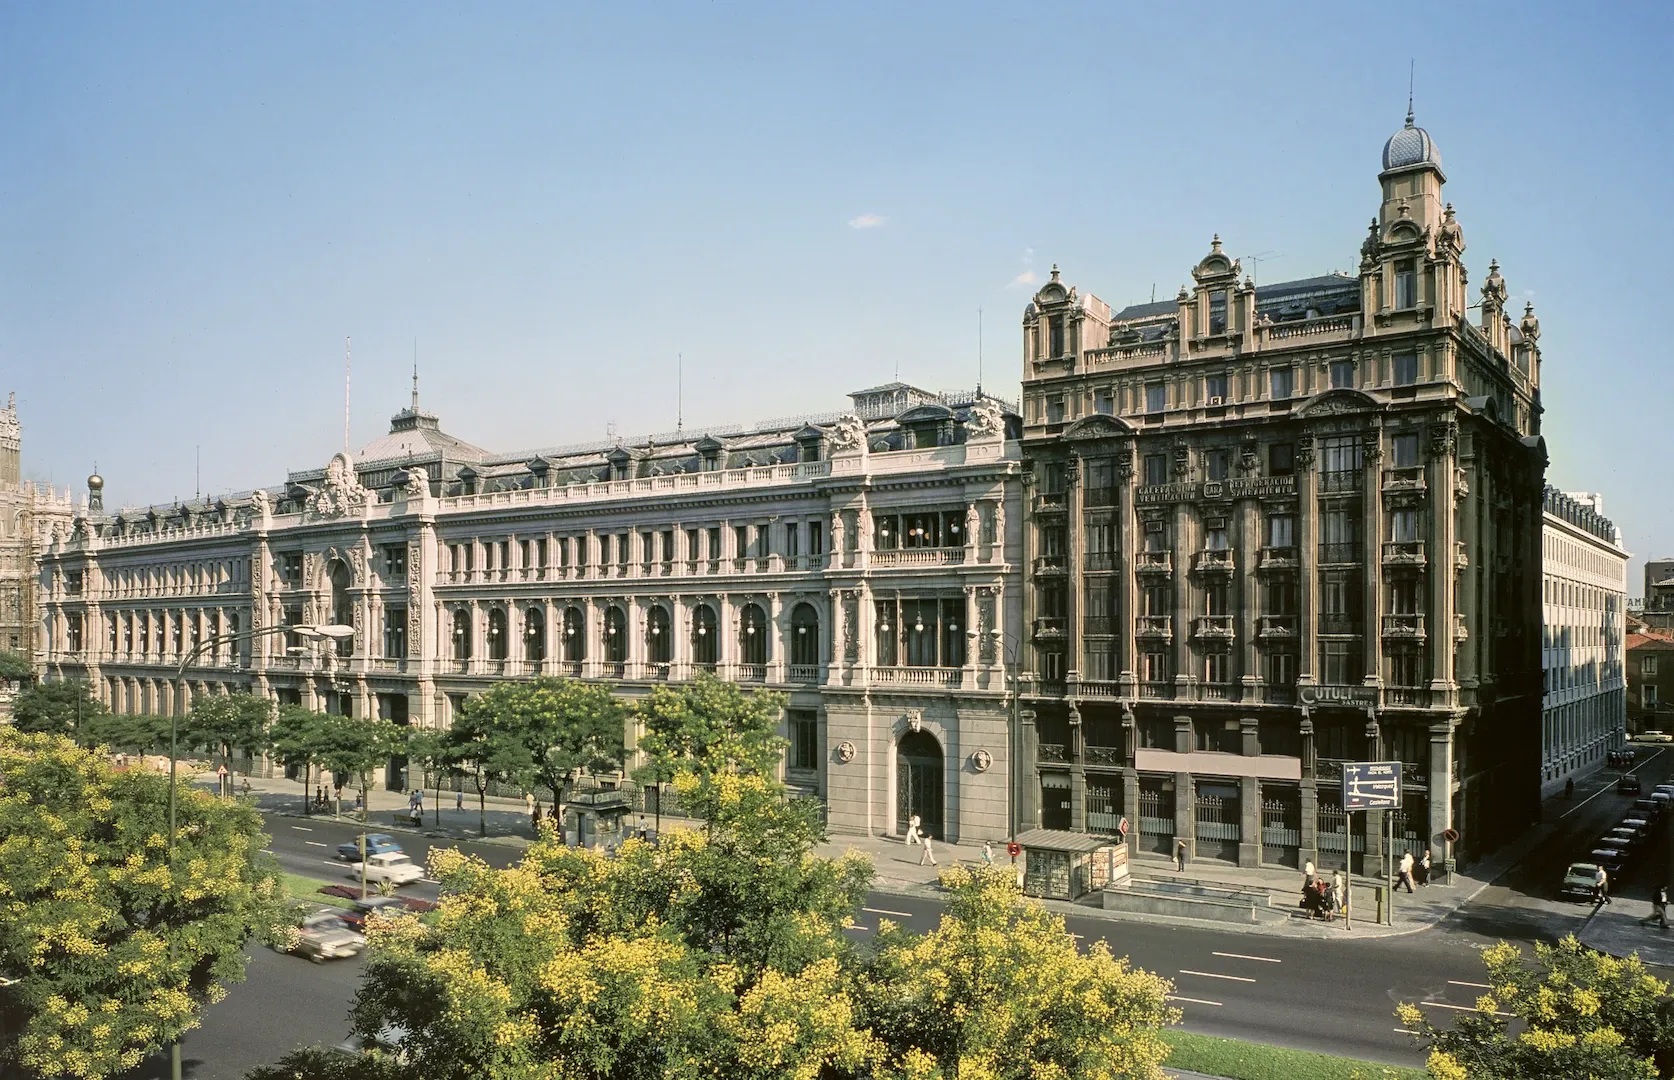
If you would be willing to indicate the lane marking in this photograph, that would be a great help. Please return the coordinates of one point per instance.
(1458, 1008)
(1212, 975)
(315, 843)
(299, 828)
(857, 926)
(1479, 986)
(1194, 1001)
(1241, 956)
(267, 851)
(1404, 1031)
(885, 911)
(1609, 787)
(429, 881)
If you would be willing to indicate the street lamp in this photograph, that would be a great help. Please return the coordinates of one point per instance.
(1009, 659)
(335, 633)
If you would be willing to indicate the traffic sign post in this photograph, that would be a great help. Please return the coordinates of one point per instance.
(1374, 785)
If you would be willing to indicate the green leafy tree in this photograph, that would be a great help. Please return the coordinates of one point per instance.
(15, 667)
(428, 749)
(138, 733)
(56, 708)
(298, 741)
(226, 722)
(114, 954)
(352, 747)
(1581, 1014)
(709, 726)
(481, 749)
(318, 1063)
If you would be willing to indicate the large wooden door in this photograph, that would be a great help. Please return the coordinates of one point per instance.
(918, 783)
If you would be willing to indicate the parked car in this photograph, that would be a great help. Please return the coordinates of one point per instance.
(1639, 825)
(364, 907)
(1653, 737)
(326, 936)
(1648, 808)
(1628, 784)
(1629, 837)
(1663, 799)
(1614, 860)
(376, 844)
(392, 866)
(1578, 880)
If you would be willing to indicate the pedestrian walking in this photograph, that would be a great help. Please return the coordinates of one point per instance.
(247, 785)
(1601, 886)
(1406, 872)
(459, 799)
(1659, 906)
(929, 856)
(987, 853)
(1339, 893)
(912, 830)
(1423, 871)
(1308, 875)
(535, 818)
(1180, 856)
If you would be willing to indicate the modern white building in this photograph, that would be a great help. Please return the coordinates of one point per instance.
(864, 562)
(1583, 657)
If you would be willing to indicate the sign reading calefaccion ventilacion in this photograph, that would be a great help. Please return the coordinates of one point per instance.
(1371, 785)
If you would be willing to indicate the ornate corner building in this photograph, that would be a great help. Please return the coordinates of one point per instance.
(28, 514)
(865, 563)
(1272, 529)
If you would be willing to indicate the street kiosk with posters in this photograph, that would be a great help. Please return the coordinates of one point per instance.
(1061, 865)
(593, 818)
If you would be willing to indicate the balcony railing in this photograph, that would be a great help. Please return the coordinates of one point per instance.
(1050, 502)
(380, 665)
(1049, 627)
(1403, 626)
(750, 672)
(569, 668)
(944, 556)
(949, 677)
(1215, 561)
(1055, 753)
(1406, 695)
(1339, 553)
(1278, 558)
(1157, 691)
(1050, 565)
(1461, 557)
(1217, 692)
(1339, 623)
(1407, 478)
(1340, 481)
(658, 670)
(1100, 560)
(1404, 553)
(1213, 628)
(803, 673)
(1098, 624)
(1158, 627)
(1153, 562)
(1277, 628)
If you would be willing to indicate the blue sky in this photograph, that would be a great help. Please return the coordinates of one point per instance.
(198, 203)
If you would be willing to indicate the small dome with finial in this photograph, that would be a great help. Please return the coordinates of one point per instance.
(1411, 145)
(95, 482)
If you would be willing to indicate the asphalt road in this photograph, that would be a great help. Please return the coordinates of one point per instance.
(1336, 996)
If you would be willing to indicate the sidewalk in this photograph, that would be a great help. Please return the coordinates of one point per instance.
(1620, 928)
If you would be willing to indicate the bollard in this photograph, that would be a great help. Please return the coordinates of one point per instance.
(1383, 901)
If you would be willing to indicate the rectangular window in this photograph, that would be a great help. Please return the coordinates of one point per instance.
(395, 632)
(1648, 667)
(666, 545)
(1342, 374)
(1403, 526)
(1648, 695)
(1158, 600)
(793, 537)
(1406, 284)
(1156, 469)
(1156, 667)
(1217, 735)
(804, 727)
(1214, 390)
(1156, 397)
(1280, 598)
(290, 566)
(1214, 539)
(1103, 402)
(1055, 410)
(1403, 668)
(1281, 459)
(741, 541)
(1406, 368)
(1056, 339)
(1052, 540)
(1280, 738)
(1340, 454)
(692, 544)
(1281, 669)
(1215, 667)
(1215, 600)
(540, 553)
(1281, 383)
(1342, 663)
(395, 562)
(1404, 451)
(1281, 531)
(1218, 464)
(714, 549)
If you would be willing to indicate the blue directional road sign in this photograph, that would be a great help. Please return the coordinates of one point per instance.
(1371, 785)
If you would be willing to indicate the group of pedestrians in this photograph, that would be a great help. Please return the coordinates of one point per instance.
(1413, 871)
(917, 835)
(1323, 899)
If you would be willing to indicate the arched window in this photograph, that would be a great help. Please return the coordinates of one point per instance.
(705, 645)
(342, 607)
(575, 635)
(752, 635)
(534, 635)
(615, 635)
(496, 633)
(462, 634)
(659, 643)
(805, 635)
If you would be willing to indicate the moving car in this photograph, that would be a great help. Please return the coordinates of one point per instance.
(326, 936)
(1578, 880)
(1628, 784)
(376, 844)
(390, 1040)
(391, 866)
(364, 907)
(1654, 737)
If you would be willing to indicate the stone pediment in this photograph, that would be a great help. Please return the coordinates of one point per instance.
(925, 414)
(1098, 426)
(1339, 401)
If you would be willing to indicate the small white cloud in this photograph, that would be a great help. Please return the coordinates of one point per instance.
(1027, 277)
(867, 221)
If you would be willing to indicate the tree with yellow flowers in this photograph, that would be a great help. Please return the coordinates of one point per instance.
(107, 955)
(1581, 1014)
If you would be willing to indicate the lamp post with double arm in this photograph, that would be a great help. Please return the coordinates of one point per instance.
(1008, 647)
(197, 650)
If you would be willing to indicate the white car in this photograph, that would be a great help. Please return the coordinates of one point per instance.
(392, 866)
(1654, 736)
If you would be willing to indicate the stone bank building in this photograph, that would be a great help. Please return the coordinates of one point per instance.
(864, 562)
(1273, 529)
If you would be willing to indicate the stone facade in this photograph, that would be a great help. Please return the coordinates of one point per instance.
(863, 563)
(1583, 643)
(29, 515)
(1276, 528)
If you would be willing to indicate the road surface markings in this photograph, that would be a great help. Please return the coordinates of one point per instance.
(267, 851)
(1479, 986)
(315, 843)
(1637, 765)
(1241, 956)
(1194, 1001)
(857, 926)
(429, 881)
(299, 828)
(1212, 975)
(884, 911)
(1458, 1008)
(1404, 1031)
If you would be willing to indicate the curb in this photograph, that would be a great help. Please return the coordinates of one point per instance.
(500, 840)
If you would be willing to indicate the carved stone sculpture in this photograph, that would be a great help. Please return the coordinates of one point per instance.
(848, 435)
(985, 421)
(340, 492)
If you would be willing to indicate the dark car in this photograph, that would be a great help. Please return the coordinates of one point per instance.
(1647, 808)
(376, 844)
(1578, 881)
(1613, 860)
(1619, 838)
(356, 917)
(1639, 825)
(1629, 784)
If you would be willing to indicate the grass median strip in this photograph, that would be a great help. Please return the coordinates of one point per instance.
(307, 889)
(1237, 1060)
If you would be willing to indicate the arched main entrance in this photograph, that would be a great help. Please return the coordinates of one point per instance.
(918, 783)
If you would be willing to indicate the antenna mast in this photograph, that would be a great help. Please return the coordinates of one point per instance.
(679, 392)
(979, 352)
(197, 483)
(1412, 65)
(415, 374)
(346, 364)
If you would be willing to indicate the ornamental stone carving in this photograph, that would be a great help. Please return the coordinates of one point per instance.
(260, 503)
(851, 617)
(985, 422)
(1305, 451)
(845, 752)
(340, 492)
(418, 484)
(848, 435)
(982, 761)
(1443, 438)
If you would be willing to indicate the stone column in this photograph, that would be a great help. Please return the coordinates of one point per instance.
(1185, 806)
(1127, 607)
(1246, 598)
(1249, 796)
(1307, 563)
(1440, 798)
(1309, 792)
(1372, 475)
(1443, 575)
(1078, 773)
(1028, 787)
(1074, 633)
(1185, 544)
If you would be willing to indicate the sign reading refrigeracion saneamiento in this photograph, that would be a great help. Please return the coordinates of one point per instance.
(1371, 785)
(1240, 488)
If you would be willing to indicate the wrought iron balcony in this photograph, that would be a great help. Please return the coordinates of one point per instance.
(1339, 553)
(1056, 753)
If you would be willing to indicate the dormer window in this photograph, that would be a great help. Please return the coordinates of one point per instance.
(1217, 312)
(1406, 284)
